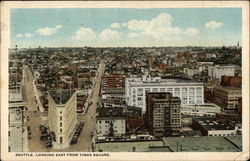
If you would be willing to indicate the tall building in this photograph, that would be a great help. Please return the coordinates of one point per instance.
(62, 115)
(189, 92)
(219, 70)
(163, 115)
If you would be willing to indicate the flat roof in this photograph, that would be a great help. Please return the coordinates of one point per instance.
(166, 82)
(61, 96)
(169, 144)
(203, 144)
(129, 146)
(110, 112)
(212, 124)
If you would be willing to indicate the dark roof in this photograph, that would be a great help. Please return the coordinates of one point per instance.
(212, 124)
(61, 96)
(109, 112)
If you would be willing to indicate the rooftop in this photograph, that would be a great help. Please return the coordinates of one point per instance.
(130, 146)
(162, 81)
(169, 144)
(108, 112)
(212, 124)
(204, 144)
(61, 96)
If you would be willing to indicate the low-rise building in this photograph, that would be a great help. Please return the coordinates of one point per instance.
(227, 97)
(212, 127)
(219, 70)
(110, 121)
(231, 81)
(200, 110)
(175, 144)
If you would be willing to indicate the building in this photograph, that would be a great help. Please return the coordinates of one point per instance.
(163, 116)
(231, 81)
(219, 70)
(113, 86)
(200, 110)
(212, 127)
(132, 146)
(17, 129)
(189, 92)
(110, 122)
(227, 97)
(204, 144)
(191, 72)
(175, 144)
(134, 123)
(62, 116)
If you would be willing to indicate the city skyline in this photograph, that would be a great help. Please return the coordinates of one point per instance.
(125, 27)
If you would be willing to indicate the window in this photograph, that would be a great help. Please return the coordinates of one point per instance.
(60, 118)
(60, 124)
(61, 140)
(60, 112)
(162, 89)
(60, 130)
(139, 98)
(100, 122)
(155, 90)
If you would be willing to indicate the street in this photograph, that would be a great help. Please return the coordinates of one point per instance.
(84, 142)
(89, 118)
(35, 117)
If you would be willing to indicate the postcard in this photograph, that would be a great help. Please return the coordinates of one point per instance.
(123, 80)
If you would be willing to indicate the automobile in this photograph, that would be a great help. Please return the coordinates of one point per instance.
(75, 137)
(42, 127)
(42, 138)
(29, 132)
(48, 146)
(28, 127)
(73, 141)
(29, 137)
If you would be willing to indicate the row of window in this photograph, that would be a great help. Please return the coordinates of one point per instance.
(191, 90)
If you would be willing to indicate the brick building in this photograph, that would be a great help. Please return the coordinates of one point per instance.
(230, 81)
(163, 116)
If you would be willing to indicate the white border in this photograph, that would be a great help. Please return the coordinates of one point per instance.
(5, 43)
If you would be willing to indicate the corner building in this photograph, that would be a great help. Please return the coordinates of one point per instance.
(163, 114)
(62, 115)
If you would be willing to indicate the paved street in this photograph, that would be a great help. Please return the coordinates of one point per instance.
(84, 142)
(35, 119)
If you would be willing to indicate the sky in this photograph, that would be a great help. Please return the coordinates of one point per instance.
(122, 27)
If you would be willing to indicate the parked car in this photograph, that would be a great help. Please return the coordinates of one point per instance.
(73, 141)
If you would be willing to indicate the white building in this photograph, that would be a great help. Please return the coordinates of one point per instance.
(62, 115)
(17, 131)
(218, 71)
(189, 92)
(190, 72)
(15, 94)
(200, 110)
(110, 121)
